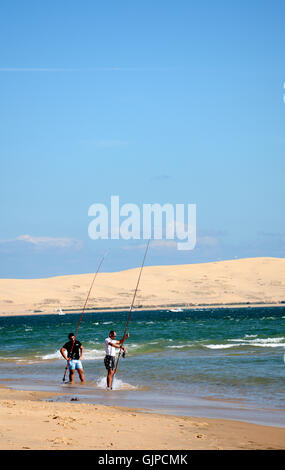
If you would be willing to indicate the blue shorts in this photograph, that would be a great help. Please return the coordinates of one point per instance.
(75, 364)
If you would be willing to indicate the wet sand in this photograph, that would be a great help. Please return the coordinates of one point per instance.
(36, 421)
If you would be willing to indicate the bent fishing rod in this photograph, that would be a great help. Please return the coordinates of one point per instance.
(95, 275)
(131, 308)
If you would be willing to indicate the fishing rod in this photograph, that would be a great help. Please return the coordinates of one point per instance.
(131, 308)
(99, 266)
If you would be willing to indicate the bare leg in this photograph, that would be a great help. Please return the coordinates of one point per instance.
(81, 375)
(110, 378)
(71, 376)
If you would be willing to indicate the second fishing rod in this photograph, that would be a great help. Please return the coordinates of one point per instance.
(73, 342)
(131, 309)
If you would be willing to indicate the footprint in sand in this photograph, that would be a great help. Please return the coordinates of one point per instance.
(201, 425)
(59, 441)
(65, 422)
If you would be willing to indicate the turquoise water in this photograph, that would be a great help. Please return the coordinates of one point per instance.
(190, 361)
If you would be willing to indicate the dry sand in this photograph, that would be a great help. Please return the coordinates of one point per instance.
(29, 420)
(240, 282)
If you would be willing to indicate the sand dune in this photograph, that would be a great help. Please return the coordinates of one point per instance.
(250, 280)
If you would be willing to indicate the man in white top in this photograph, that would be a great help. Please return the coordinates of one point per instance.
(111, 344)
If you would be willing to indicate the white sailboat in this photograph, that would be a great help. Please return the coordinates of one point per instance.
(59, 311)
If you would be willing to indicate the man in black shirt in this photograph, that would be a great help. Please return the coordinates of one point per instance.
(74, 350)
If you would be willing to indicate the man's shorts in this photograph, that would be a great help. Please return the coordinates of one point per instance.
(109, 362)
(75, 364)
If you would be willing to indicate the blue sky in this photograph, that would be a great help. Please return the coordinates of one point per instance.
(157, 102)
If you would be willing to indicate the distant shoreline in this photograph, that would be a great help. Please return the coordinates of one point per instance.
(167, 308)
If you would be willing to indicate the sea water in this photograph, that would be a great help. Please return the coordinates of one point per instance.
(213, 362)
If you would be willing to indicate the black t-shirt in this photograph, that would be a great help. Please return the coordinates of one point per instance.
(75, 354)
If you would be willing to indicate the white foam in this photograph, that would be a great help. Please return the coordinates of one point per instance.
(259, 342)
(116, 385)
(265, 342)
(46, 357)
(269, 340)
(268, 344)
(93, 354)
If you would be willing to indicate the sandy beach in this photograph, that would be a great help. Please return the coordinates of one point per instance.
(240, 282)
(31, 420)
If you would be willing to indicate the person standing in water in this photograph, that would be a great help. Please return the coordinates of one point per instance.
(111, 344)
(74, 350)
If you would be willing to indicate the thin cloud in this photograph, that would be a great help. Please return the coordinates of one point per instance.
(36, 69)
(48, 241)
(44, 242)
(88, 69)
